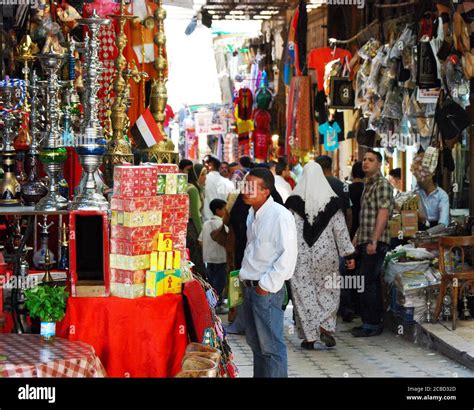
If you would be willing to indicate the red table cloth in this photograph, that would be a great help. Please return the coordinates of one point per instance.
(30, 356)
(143, 337)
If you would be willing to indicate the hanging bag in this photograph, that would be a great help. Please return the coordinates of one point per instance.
(451, 118)
(342, 95)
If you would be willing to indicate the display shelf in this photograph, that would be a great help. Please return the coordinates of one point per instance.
(28, 210)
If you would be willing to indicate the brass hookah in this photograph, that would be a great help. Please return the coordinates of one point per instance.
(119, 149)
(25, 53)
(10, 189)
(164, 151)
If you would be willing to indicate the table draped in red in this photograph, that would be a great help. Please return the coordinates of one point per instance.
(143, 337)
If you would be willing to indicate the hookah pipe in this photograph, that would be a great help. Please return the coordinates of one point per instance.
(18, 309)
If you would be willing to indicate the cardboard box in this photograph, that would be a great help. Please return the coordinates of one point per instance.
(129, 219)
(136, 219)
(126, 262)
(409, 223)
(128, 277)
(128, 234)
(131, 204)
(165, 242)
(134, 181)
(131, 248)
(171, 184)
(166, 168)
(155, 203)
(127, 291)
(157, 260)
(126, 173)
(181, 201)
(395, 225)
(153, 218)
(162, 282)
(161, 184)
(182, 184)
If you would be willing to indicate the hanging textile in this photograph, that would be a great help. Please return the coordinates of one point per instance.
(299, 130)
(261, 137)
(301, 39)
(243, 116)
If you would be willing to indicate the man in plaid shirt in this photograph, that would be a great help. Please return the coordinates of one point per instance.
(372, 240)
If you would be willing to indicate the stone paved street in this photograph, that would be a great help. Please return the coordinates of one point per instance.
(387, 355)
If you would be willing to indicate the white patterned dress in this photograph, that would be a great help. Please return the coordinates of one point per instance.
(314, 284)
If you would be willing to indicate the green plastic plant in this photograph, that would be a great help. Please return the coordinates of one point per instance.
(48, 303)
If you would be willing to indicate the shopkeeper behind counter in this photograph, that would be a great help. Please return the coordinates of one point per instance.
(434, 203)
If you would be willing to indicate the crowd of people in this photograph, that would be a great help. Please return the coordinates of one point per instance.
(293, 236)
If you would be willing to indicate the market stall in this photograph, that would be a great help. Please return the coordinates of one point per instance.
(90, 103)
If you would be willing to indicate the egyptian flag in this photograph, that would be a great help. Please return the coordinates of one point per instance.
(145, 132)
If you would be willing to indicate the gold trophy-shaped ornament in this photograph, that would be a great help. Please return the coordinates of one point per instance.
(164, 151)
(119, 149)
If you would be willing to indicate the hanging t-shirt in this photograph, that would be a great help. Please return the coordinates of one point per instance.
(330, 134)
(319, 57)
(262, 141)
(262, 120)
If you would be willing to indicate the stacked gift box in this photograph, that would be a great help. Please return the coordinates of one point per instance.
(139, 214)
(136, 218)
(172, 188)
(164, 275)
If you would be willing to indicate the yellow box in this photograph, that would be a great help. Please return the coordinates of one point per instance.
(154, 260)
(165, 243)
(169, 260)
(126, 262)
(161, 261)
(153, 287)
(177, 260)
(162, 282)
(172, 284)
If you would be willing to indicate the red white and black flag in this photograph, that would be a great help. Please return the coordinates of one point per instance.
(145, 132)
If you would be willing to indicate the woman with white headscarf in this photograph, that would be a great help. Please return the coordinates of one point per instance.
(322, 237)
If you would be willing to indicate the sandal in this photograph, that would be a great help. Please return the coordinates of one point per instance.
(327, 338)
(307, 345)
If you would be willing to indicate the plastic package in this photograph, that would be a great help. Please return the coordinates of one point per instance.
(405, 40)
(393, 105)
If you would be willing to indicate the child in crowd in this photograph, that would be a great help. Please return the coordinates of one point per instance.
(212, 238)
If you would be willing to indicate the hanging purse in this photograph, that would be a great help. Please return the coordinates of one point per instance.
(451, 118)
(427, 71)
(342, 93)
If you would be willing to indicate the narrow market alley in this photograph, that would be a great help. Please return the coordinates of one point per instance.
(387, 355)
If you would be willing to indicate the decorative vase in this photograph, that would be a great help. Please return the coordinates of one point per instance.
(48, 330)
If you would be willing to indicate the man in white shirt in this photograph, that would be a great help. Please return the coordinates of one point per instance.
(269, 260)
(217, 187)
(281, 171)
